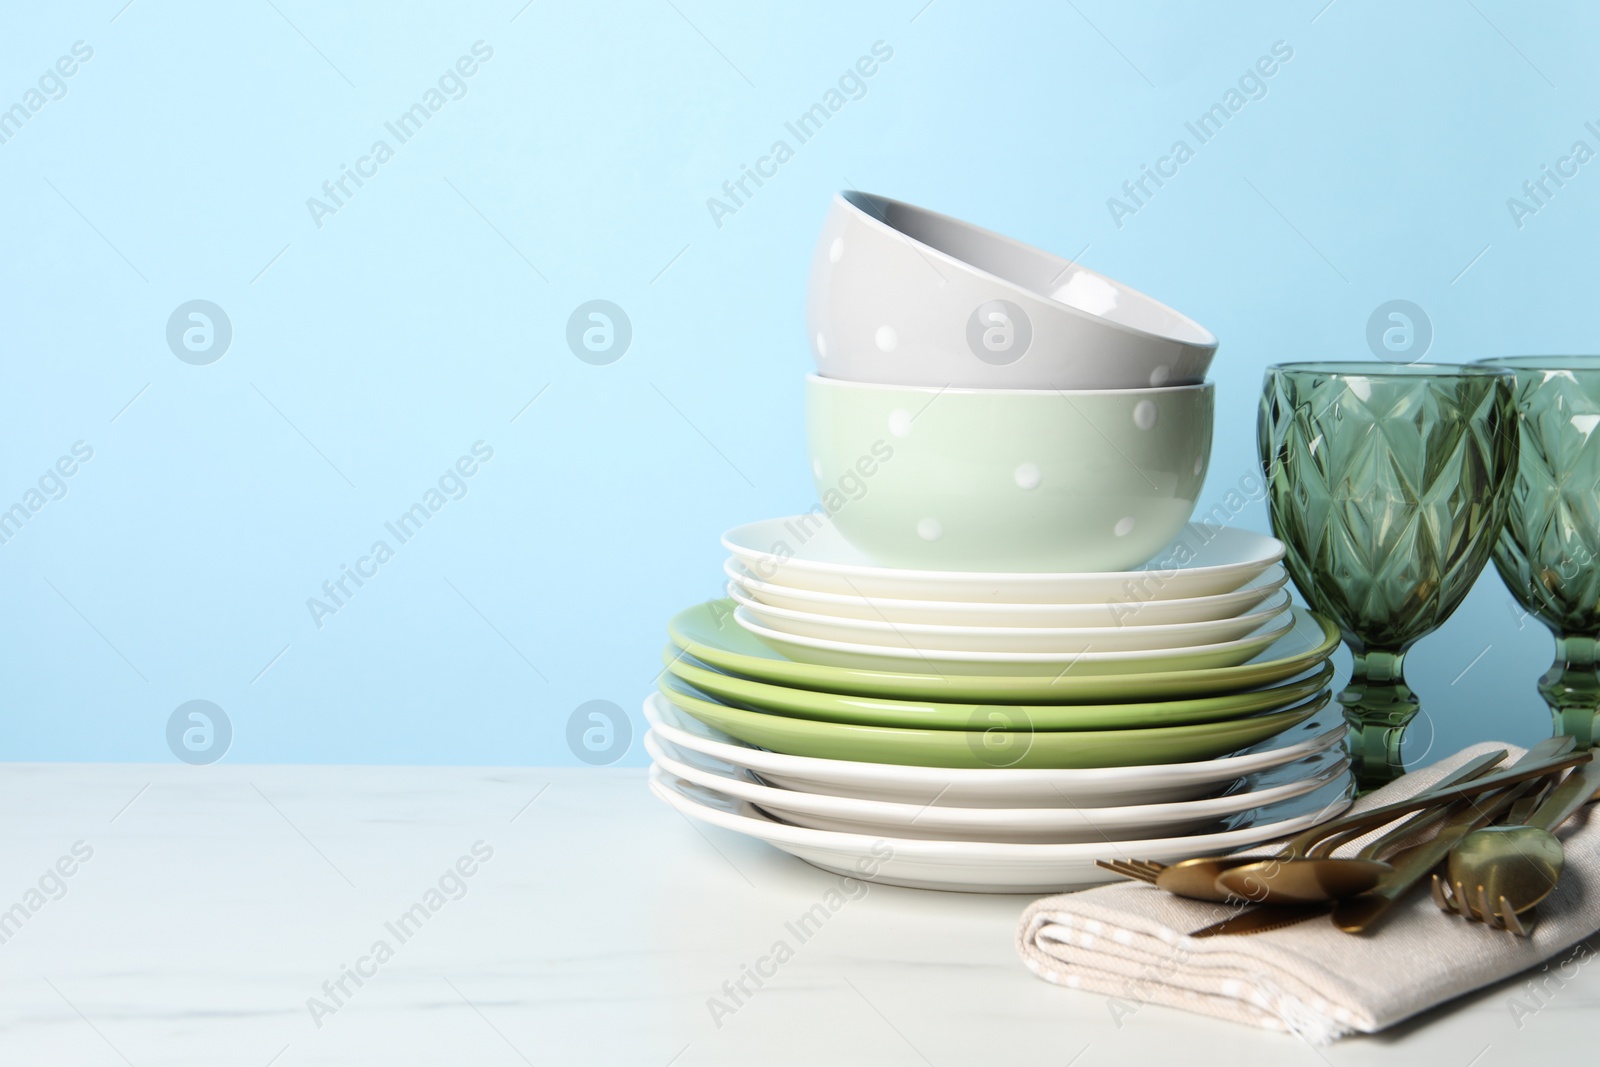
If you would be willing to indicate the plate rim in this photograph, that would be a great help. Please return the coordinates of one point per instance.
(990, 577)
(1316, 677)
(939, 655)
(887, 680)
(911, 774)
(933, 849)
(1219, 806)
(734, 570)
(750, 604)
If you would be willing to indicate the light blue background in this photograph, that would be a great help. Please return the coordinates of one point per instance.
(377, 349)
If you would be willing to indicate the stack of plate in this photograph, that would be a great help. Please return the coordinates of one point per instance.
(997, 731)
(997, 650)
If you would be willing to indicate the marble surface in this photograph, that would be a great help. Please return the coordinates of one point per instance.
(218, 909)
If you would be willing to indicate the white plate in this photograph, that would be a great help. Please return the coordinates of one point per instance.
(989, 866)
(1001, 787)
(808, 552)
(853, 655)
(1129, 611)
(1041, 825)
(1071, 640)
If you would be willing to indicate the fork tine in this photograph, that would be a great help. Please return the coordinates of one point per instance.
(1439, 898)
(1462, 902)
(1150, 865)
(1119, 867)
(1513, 921)
(1487, 913)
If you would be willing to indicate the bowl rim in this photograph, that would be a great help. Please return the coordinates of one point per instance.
(1379, 370)
(1201, 338)
(813, 378)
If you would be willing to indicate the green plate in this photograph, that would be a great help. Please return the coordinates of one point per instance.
(1002, 745)
(930, 715)
(709, 633)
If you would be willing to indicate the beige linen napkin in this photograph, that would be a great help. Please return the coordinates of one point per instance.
(1129, 942)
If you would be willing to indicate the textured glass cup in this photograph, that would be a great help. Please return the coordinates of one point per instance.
(1549, 551)
(1389, 485)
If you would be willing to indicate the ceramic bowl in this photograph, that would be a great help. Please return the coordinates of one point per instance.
(1008, 479)
(903, 296)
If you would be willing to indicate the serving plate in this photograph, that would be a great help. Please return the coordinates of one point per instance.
(709, 633)
(808, 552)
(989, 866)
(1053, 824)
(941, 715)
(1117, 611)
(856, 656)
(1008, 787)
(1002, 738)
(1062, 640)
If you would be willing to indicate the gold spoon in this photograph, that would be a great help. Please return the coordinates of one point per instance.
(1197, 878)
(1501, 871)
(1304, 879)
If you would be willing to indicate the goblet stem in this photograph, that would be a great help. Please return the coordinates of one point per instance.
(1377, 705)
(1572, 686)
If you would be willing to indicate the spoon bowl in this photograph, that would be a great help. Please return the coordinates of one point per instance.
(1519, 864)
(1302, 881)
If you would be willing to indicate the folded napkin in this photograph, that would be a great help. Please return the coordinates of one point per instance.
(1129, 942)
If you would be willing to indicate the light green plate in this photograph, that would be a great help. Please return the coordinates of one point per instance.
(709, 633)
(1002, 745)
(930, 715)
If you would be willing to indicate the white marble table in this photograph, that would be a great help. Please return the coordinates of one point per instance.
(217, 901)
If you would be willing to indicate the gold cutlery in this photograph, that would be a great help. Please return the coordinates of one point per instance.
(1259, 918)
(1196, 878)
(1305, 880)
(1358, 914)
(1497, 873)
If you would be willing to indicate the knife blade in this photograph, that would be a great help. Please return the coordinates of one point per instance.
(1263, 917)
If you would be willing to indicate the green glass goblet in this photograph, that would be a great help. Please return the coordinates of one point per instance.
(1549, 551)
(1388, 484)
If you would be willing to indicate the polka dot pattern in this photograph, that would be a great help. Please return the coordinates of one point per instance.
(1124, 526)
(900, 422)
(886, 339)
(1028, 476)
(1144, 414)
(930, 529)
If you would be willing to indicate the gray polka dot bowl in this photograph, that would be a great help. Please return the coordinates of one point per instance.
(1008, 479)
(903, 296)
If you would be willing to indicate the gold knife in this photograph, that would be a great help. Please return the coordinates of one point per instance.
(1263, 917)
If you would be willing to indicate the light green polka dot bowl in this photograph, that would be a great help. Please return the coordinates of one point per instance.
(1008, 479)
